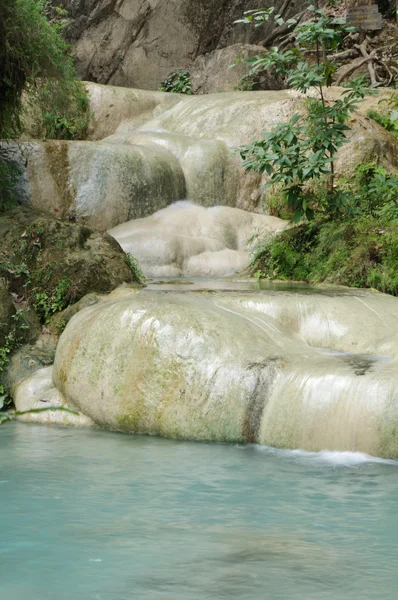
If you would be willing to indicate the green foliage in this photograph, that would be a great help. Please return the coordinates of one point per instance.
(46, 304)
(256, 17)
(64, 108)
(13, 340)
(46, 296)
(302, 150)
(389, 119)
(38, 80)
(359, 252)
(34, 59)
(135, 267)
(178, 82)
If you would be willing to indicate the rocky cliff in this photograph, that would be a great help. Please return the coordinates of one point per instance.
(137, 43)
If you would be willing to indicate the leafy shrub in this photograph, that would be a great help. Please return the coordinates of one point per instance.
(46, 304)
(177, 82)
(389, 119)
(34, 59)
(13, 339)
(37, 76)
(10, 173)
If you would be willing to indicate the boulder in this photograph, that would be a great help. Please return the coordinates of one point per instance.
(53, 263)
(28, 359)
(283, 368)
(39, 353)
(36, 393)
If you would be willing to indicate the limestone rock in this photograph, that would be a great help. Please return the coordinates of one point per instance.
(36, 393)
(282, 368)
(368, 142)
(188, 149)
(213, 72)
(137, 44)
(101, 184)
(189, 240)
(28, 359)
(110, 106)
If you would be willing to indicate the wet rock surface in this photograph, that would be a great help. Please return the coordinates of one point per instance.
(291, 369)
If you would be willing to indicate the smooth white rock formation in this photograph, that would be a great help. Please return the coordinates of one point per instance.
(287, 369)
(37, 395)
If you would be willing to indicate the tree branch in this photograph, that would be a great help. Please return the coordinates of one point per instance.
(281, 30)
(369, 59)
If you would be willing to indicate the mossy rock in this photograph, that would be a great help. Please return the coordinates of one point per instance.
(53, 263)
(28, 359)
(7, 311)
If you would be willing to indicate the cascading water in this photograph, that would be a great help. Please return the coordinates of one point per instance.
(287, 369)
(274, 369)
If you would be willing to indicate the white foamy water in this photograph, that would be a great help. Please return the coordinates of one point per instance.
(187, 239)
(326, 457)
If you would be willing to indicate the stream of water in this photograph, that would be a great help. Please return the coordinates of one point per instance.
(93, 515)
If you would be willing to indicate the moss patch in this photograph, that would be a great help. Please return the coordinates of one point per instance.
(359, 253)
(52, 263)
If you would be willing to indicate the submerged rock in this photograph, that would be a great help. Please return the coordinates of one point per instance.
(286, 369)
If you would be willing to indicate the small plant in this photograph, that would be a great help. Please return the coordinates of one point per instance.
(135, 267)
(178, 82)
(387, 120)
(37, 64)
(359, 252)
(10, 173)
(375, 192)
(47, 304)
